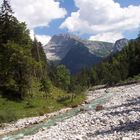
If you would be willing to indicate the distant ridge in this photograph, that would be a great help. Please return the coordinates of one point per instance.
(77, 53)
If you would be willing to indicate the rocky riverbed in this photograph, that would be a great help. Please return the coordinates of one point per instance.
(119, 120)
(27, 122)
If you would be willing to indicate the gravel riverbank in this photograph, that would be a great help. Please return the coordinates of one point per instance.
(120, 119)
(27, 122)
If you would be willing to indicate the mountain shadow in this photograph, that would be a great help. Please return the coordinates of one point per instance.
(79, 57)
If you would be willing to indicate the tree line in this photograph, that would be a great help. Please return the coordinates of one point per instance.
(115, 68)
(22, 60)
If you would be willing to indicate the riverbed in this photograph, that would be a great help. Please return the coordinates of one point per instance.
(119, 120)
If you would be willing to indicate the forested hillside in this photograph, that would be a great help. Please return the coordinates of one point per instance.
(116, 68)
(21, 59)
(77, 53)
(28, 85)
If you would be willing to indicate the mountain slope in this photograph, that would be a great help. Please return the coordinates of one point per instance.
(98, 48)
(119, 44)
(59, 46)
(79, 57)
(77, 54)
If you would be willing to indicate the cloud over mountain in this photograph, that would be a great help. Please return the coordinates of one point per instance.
(99, 17)
(44, 39)
(108, 36)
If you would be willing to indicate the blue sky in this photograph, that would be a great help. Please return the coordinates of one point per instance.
(69, 5)
(54, 25)
(104, 20)
(125, 3)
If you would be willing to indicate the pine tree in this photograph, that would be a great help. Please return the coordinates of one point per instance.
(15, 54)
(62, 77)
(40, 59)
(6, 16)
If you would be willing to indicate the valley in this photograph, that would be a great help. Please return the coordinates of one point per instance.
(69, 70)
(118, 120)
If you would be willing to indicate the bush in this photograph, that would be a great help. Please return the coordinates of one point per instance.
(46, 86)
(7, 116)
(63, 98)
(29, 104)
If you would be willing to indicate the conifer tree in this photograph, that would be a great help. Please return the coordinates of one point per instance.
(15, 54)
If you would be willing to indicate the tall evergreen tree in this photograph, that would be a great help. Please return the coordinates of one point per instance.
(15, 54)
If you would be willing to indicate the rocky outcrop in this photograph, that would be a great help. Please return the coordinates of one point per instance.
(61, 44)
(119, 45)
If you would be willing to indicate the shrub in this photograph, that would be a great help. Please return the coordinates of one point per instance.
(63, 98)
(29, 104)
(7, 116)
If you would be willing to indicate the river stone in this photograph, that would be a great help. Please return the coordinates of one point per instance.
(126, 138)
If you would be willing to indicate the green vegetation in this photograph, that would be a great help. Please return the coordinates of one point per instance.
(123, 66)
(61, 77)
(37, 105)
(29, 86)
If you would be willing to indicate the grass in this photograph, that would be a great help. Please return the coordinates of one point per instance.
(37, 105)
(130, 80)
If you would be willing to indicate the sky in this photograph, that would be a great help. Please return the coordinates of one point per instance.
(102, 20)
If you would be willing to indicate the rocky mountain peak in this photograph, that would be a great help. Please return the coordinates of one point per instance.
(60, 38)
(120, 44)
(59, 46)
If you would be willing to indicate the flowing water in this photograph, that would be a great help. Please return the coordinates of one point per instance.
(54, 120)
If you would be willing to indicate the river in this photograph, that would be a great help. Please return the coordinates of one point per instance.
(54, 120)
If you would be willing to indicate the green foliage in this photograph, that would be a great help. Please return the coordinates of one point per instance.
(63, 77)
(7, 116)
(15, 55)
(29, 104)
(20, 59)
(37, 104)
(10, 28)
(115, 68)
(15, 71)
(63, 98)
(46, 86)
(60, 76)
(40, 63)
(25, 76)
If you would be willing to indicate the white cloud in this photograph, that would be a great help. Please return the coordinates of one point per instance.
(32, 34)
(108, 37)
(44, 39)
(100, 17)
(37, 12)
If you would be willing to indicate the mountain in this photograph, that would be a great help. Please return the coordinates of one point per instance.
(79, 57)
(76, 53)
(119, 44)
(59, 46)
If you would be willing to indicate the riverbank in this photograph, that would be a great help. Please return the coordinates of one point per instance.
(22, 114)
(120, 119)
(27, 122)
